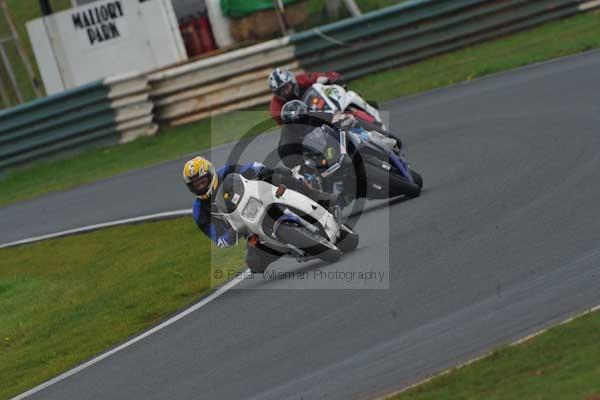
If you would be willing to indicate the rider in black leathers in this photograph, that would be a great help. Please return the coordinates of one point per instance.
(298, 121)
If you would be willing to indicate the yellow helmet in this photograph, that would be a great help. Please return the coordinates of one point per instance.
(200, 177)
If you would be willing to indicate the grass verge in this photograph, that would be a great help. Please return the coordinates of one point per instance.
(556, 39)
(63, 301)
(562, 363)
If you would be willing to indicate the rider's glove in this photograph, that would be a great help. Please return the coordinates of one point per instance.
(293, 174)
(305, 183)
(227, 239)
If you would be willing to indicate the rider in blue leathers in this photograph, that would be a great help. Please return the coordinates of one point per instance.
(203, 180)
(218, 230)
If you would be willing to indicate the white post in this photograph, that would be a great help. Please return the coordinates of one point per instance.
(4, 92)
(352, 8)
(219, 24)
(11, 74)
(280, 12)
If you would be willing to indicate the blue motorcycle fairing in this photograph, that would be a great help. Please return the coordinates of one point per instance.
(397, 162)
(401, 166)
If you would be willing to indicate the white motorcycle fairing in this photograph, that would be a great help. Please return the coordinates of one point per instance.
(340, 99)
(258, 196)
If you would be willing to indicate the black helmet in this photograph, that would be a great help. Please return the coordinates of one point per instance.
(294, 111)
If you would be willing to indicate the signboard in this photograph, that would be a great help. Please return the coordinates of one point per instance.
(105, 38)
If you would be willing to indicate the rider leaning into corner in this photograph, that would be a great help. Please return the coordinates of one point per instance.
(202, 179)
(286, 86)
(297, 122)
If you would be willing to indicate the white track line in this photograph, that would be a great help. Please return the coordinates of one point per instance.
(110, 224)
(229, 285)
(144, 218)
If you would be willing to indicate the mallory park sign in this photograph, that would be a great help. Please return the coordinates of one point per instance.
(100, 23)
(104, 38)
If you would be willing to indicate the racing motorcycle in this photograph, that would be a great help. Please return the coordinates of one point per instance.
(283, 220)
(334, 99)
(358, 163)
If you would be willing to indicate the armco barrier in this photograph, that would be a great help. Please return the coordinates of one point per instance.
(109, 111)
(231, 81)
(382, 39)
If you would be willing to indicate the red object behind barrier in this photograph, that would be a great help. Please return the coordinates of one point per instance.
(191, 38)
(205, 33)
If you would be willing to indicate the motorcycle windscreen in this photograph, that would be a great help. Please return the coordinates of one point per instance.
(321, 146)
(315, 101)
(230, 193)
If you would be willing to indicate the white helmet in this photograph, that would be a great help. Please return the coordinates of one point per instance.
(283, 84)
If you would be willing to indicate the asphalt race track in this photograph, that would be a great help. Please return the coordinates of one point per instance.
(504, 241)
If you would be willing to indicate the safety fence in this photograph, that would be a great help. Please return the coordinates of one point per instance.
(110, 111)
(121, 109)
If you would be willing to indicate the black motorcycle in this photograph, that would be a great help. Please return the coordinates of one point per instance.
(360, 163)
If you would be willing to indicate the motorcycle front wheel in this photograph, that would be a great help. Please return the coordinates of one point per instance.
(381, 183)
(417, 178)
(311, 243)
